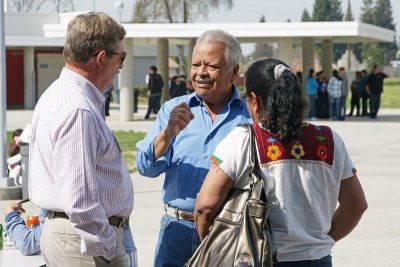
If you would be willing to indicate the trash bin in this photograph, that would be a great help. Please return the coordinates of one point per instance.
(135, 100)
(24, 150)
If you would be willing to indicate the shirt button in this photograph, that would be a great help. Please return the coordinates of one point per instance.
(205, 156)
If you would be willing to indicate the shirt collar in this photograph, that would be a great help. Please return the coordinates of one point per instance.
(85, 87)
(195, 99)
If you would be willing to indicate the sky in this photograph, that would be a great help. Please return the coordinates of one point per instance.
(243, 10)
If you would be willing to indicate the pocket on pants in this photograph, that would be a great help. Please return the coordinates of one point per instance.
(166, 221)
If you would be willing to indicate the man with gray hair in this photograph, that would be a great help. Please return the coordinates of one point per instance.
(184, 136)
(77, 170)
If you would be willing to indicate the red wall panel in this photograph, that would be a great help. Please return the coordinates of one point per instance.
(15, 78)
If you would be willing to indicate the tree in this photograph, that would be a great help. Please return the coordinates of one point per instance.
(329, 10)
(349, 17)
(140, 11)
(367, 15)
(262, 50)
(349, 14)
(372, 55)
(306, 16)
(176, 11)
(63, 6)
(33, 6)
(321, 10)
(179, 11)
(336, 10)
(380, 15)
(25, 6)
(385, 21)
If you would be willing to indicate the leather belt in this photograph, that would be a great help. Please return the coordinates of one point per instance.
(178, 214)
(113, 220)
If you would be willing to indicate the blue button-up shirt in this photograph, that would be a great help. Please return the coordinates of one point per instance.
(187, 162)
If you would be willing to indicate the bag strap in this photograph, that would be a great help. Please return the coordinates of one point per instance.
(255, 170)
(253, 159)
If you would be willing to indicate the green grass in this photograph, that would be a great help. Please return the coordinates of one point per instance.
(127, 141)
(391, 93)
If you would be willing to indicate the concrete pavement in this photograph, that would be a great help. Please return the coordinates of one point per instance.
(374, 146)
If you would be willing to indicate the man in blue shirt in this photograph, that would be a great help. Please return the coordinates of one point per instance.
(184, 136)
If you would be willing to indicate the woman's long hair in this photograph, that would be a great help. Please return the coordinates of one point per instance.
(281, 97)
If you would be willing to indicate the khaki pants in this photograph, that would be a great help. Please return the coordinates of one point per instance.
(61, 246)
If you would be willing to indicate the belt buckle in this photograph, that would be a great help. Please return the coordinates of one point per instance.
(123, 223)
(175, 210)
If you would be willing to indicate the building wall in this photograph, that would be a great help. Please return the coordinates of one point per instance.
(48, 69)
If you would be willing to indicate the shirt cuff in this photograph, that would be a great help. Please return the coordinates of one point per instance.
(11, 215)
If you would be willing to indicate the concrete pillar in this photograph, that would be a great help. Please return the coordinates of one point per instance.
(190, 49)
(162, 65)
(308, 58)
(327, 57)
(285, 50)
(308, 62)
(29, 78)
(126, 84)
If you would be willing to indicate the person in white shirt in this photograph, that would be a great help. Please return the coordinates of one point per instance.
(306, 170)
(76, 168)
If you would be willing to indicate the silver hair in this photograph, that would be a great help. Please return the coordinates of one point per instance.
(232, 47)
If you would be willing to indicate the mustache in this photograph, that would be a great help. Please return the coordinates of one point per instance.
(203, 80)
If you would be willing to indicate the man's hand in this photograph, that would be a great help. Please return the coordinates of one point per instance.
(179, 118)
(14, 207)
(17, 140)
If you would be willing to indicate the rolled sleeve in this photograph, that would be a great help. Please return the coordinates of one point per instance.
(145, 162)
(76, 142)
(25, 240)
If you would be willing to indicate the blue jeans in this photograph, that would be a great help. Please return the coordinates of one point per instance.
(334, 101)
(177, 241)
(343, 99)
(323, 262)
(311, 109)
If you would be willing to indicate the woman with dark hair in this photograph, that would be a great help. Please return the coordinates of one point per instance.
(14, 146)
(312, 90)
(306, 170)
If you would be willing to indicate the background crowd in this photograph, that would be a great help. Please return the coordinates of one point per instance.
(328, 98)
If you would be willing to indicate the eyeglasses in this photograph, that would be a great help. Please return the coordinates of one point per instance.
(111, 53)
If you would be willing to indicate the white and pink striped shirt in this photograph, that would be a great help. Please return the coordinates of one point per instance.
(75, 163)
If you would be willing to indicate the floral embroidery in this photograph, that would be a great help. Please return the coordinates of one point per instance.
(274, 152)
(297, 151)
(322, 152)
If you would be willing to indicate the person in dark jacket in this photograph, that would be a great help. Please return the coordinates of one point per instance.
(180, 88)
(374, 88)
(156, 84)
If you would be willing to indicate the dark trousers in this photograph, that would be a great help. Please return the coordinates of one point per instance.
(154, 105)
(355, 102)
(323, 262)
(375, 101)
(364, 104)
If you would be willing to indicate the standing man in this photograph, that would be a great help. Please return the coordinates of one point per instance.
(77, 170)
(334, 93)
(156, 84)
(363, 93)
(184, 136)
(374, 88)
(345, 92)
